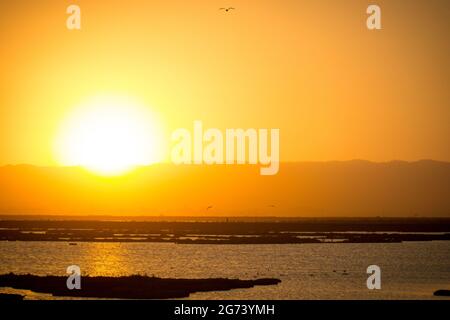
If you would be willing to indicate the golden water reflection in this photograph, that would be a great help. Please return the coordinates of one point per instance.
(107, 259)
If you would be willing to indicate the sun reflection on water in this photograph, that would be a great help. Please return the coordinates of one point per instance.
(107, 259)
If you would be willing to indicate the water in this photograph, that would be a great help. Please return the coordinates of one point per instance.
(410, 270)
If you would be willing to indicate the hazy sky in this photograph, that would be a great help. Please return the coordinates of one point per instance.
(336, 90)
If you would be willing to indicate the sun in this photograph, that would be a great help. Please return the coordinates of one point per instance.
(109, 135)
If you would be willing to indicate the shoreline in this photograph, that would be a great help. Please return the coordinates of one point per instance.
(228, 232)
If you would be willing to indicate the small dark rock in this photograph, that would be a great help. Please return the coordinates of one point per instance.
(442, 293)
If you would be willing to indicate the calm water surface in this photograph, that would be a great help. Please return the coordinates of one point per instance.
(411, 270)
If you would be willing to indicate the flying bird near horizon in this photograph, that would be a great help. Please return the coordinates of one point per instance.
(227, 9)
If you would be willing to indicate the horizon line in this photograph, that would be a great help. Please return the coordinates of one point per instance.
(235, 164)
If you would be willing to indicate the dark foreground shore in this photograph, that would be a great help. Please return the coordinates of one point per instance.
(11, 297)
(129, 287)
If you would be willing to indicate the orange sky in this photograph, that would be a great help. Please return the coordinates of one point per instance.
(336, 90)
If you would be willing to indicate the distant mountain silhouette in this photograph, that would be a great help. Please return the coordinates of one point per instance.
(348, 188)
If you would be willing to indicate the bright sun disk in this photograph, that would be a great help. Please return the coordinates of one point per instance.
(109, 135)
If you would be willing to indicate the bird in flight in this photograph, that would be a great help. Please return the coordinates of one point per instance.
(227, 9)
(209, 207)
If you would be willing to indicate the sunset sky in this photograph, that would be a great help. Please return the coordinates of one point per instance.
(336, 90)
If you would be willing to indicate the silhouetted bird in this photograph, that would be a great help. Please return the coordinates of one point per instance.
(210, 207)
(227, 9)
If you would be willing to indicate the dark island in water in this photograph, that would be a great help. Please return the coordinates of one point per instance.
(442, 293)
(127, 287)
